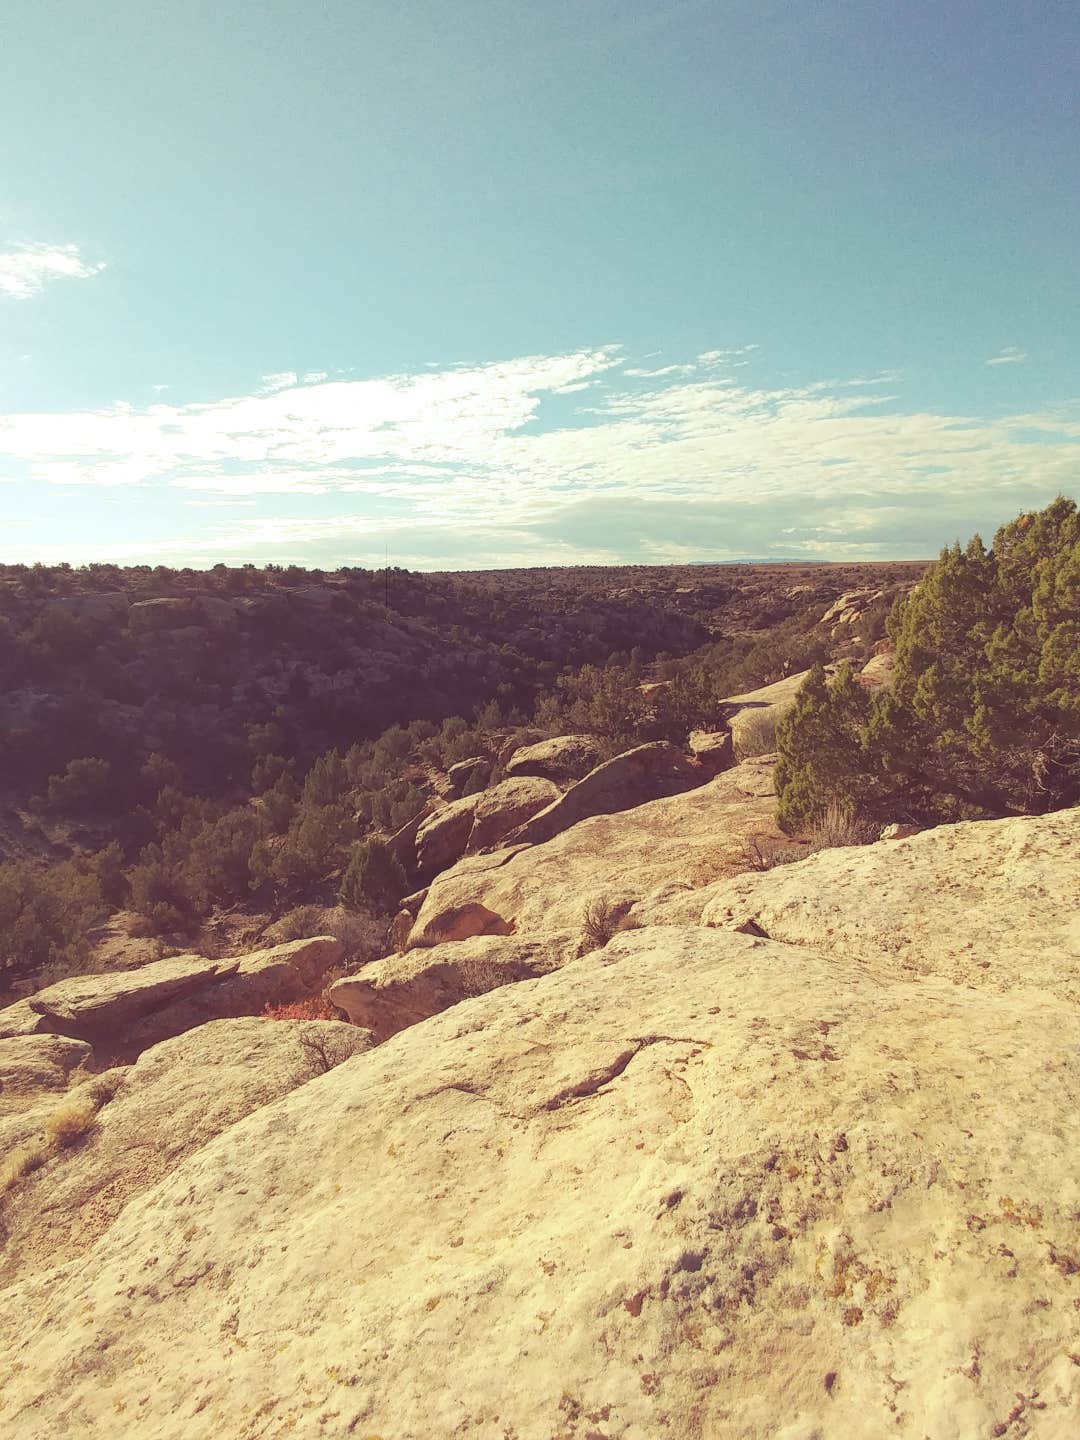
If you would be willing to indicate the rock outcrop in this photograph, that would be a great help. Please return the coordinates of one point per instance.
(673, 844)
(145, 1118)
(695, 1184)
(645, 773)
(564, 759)
(402, 990)
(503, 807)
(122, 1012)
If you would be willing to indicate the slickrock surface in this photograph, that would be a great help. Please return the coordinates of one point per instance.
(32, 1065)
(402, 990)
(151, 1115)
(125, 1011)
(696, 1184)
(682, 840)
(87, 1004)
(647, 772)
(991, 903)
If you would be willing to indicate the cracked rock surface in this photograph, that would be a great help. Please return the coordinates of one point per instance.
(695, 1184)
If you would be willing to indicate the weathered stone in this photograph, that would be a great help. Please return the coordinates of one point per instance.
(34, 1065)
(442, 837)
(507, 805)
(151, 1115)
(563, 759)
(266, 977)
(713, 749)
(686, 839)
(633, 778)
(402, 990)
(90, 1006)
(695, 1184)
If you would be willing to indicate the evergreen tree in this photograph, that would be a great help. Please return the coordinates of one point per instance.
(373, 880)
(984, 715)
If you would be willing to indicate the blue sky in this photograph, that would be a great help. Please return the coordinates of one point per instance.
(518, 283)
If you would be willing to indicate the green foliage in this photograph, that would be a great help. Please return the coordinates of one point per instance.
(44, 917)
(373, 879)
(820, 748)
(86, 784)
(984, 715)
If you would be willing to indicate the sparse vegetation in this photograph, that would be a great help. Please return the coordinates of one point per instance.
(984, 715)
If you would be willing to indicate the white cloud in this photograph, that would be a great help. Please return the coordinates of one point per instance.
(27, 269)
(699, 462)
(1010, 355)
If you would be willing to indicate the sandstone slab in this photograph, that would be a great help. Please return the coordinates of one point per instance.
(503, 807)
(564, 759)
(403, 990)
(152, 1114)
(645, 773)
(683, 841)
(87, 1006)
(696, 1184)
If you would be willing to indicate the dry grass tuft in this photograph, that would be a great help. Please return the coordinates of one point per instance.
(838, 826)
(756, 735)
(72, 1118)
(20, 1161)
(600, 921)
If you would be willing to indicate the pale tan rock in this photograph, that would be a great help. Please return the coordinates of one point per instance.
(402, 990)
(713, 748)
(563, 759)
(645, 773)
(34, 1065)
(150, 1115)
(689, 839)
(86, 1006)
(503, 807)
(878, 672)
(442, 836)
(695, 1184)
(19, 1019)
(274, 976)
(992, 903)
(755, 714)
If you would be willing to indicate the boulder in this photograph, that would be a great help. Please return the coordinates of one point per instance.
(713, 749)
(752, 716)
(459, 775)
(91, 1007)
(505, 806)
(442, 837)
(633, 778)
(515, 742)
(683, 841)
(152, 1114)
(878, 672)
(20, 1019)
(151, 616)
(33, 1065)
(564, 759)
(696, 1184)
(106, 607)
(274, 976)
(402, 990)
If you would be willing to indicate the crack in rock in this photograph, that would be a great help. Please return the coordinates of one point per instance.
(597, 1079)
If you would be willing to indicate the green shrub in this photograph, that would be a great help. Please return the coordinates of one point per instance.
(44, 917)
(373, 879)
(984, 715)
(86, 784)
